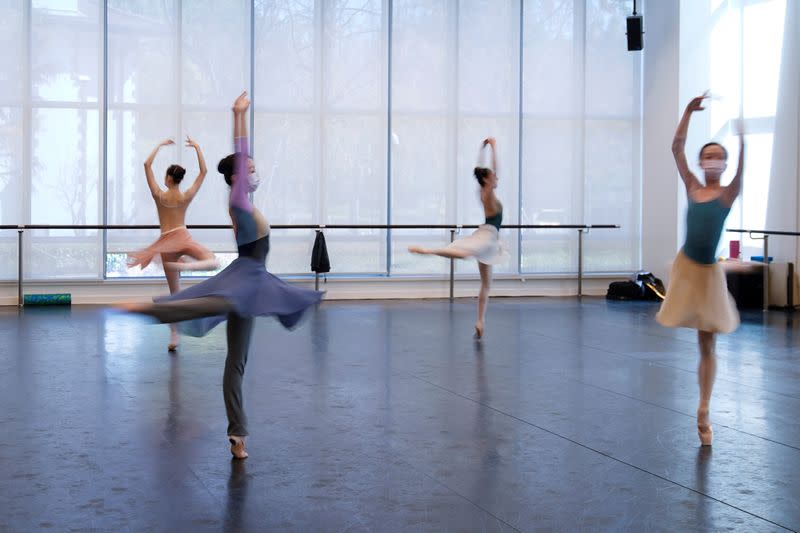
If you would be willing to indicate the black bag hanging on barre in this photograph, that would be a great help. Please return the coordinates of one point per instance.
(320, 263)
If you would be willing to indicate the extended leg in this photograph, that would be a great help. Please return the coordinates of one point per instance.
(181, 310)
(451, 253)
(202, 259)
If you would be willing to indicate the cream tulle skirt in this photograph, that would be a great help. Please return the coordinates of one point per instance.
(698, 298)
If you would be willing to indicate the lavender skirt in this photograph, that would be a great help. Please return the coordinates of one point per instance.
(251, 291)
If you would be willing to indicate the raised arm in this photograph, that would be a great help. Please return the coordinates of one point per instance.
(492, 144)
(679, 144)
(148, 167)
(241, 168)
(191, 191)
(734, 188)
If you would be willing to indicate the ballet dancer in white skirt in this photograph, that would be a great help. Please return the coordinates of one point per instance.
(484, 243)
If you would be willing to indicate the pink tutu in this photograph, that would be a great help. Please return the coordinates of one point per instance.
(177, 241)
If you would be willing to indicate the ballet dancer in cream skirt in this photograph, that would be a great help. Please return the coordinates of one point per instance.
(697, 295)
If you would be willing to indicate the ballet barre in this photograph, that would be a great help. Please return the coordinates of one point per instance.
(763, 235)
(582, 230)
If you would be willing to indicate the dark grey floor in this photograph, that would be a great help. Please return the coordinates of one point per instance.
(386, 416)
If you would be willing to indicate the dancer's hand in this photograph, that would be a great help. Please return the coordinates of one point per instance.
(191, 142)
(242, 103)
(490, 141)
(696, 104)
(166, 142)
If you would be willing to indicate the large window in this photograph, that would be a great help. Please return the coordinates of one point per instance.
(580, 135)
(320, 127)
(63, 157)
(13, 103)
(735, 50)
(364, 112)
(455, 81)
(172, 70)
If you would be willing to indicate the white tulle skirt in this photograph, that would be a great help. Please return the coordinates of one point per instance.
(483, 244)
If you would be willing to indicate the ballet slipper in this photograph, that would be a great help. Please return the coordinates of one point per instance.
(704, 428)
(237, 447)
(478, 331)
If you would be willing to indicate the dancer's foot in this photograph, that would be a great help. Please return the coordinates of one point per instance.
(174, 340)
(131, 307)
(237, 447)
(704, 429)
(478, 331)
(418, 250)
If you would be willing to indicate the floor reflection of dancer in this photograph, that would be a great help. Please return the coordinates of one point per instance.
(241, 291)
(697, 296)
(175, 243)
(484, 243)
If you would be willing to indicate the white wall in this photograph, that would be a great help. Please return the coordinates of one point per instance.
(660, 239)
(784, 194)
(721, 52)
(675, 45)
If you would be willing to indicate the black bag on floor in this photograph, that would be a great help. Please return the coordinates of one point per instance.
(624, 290)
(641, 286)
(652, 287)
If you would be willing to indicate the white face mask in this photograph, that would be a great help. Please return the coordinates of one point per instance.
(253, 181)
(713, 165)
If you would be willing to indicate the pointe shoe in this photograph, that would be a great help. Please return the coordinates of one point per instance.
(237, 447)
(478, 332)
(704, 429)
(173, 342)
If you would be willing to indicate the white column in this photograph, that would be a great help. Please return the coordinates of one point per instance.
(661, 108)
(784, 177)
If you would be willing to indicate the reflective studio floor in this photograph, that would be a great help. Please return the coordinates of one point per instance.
(571, 415)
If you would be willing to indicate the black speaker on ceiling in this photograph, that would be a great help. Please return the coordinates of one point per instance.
(635, 33)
